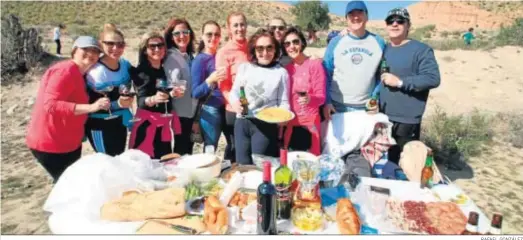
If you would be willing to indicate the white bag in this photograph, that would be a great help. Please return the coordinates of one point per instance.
(76, 199)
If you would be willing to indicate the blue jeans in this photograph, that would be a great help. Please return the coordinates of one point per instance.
(211, 121)
(342, 108)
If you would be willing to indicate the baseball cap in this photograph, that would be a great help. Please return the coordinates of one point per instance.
(401, 12)
(355, 5)
(85, 42)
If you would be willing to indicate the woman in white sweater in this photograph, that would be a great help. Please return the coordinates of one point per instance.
(266, 85)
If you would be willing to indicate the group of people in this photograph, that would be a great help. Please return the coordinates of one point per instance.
(183, 92)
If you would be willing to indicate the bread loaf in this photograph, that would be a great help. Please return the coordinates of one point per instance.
(347, 218)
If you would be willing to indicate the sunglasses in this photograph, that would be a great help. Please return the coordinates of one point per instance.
(112, 44)
(400, 21)
(268, 48)
(281, 28)
(154, 46)
(210, 35)
(294, 42)
(184, 32)
(239, 25)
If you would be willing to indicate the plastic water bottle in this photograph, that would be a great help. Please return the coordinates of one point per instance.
(377, 169)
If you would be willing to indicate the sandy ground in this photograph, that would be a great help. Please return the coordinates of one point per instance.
(489, 81)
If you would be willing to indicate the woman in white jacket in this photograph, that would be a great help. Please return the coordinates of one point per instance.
(179, 38)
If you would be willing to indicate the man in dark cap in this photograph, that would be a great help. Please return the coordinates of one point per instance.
(405, 90)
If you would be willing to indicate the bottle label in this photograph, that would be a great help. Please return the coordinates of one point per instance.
(282, 193)
(495, 231)
(472, 229)
(260, 216)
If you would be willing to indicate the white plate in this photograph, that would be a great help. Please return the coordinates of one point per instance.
(196, 160)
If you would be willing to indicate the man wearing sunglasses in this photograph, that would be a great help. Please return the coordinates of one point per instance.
(413, 72)
(351, 62)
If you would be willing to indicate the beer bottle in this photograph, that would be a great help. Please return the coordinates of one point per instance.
(472, 224)
(244, 102)
(384, 68)
(427, 172)
(495, 226)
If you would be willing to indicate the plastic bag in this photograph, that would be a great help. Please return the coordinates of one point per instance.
(76, 199)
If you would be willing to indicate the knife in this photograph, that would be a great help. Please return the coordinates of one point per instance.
(179, 228)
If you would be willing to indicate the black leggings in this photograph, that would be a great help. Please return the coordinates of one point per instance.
(56, 163)
(228, 132)
(58, 46)
(255, 136)
(402, 133)
(182, 143)
(106, 136)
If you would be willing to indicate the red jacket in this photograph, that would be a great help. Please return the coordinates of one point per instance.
(53, 127)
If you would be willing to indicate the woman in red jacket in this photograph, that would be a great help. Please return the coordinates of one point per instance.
(55, 132)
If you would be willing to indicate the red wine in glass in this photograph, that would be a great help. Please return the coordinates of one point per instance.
(165, 86)
(106, 92)
(126, 90)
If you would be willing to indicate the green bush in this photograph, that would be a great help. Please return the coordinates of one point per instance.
(450, 136)
(422, 32)
(512, 35)
(77, 30)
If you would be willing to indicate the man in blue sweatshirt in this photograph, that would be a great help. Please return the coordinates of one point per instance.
(351, 62)
(404, 91)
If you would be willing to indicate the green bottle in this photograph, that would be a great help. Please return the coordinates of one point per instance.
(283, 181)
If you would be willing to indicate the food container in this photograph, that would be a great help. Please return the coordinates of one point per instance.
(199, 167)
(299, 155)
(259, 159)
(307, 219)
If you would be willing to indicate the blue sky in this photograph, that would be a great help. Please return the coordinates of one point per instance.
(377, 9)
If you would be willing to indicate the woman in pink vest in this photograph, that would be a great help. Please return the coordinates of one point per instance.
(307, 84)
(232, 54)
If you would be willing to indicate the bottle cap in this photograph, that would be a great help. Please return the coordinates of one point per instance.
(283, 157)
(267, 171)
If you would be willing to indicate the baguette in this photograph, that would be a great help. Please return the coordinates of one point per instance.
(346, 217)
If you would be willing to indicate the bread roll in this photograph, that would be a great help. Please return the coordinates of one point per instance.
(216, 217)
(347, 218)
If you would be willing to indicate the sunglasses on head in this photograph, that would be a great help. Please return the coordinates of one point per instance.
(153, 46)
(281, 28)
(260, 48)
(210, 35)
(294, 42)
(184, 32)
(112, 44)
(398, 20)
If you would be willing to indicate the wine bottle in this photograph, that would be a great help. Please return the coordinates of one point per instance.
(266, 204)
(283, 180)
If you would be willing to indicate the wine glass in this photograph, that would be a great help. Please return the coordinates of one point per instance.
(127, 90)
(179, 86)
(105, 91)
(301, 88)
(165, 86)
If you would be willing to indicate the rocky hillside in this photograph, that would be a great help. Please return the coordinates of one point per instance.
(460, 15)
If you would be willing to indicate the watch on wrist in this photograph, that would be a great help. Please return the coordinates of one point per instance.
(400, 84)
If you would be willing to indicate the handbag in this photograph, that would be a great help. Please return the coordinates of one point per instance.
(197, 136)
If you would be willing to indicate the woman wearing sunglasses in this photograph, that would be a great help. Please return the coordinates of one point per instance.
(211, 109)
(152, 134)
(307, 94)
(278, 26)
(266, 85)
(179, 37)
(232, 54)
(55, 132)
(107, 129)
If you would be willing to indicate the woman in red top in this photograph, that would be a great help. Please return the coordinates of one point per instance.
(55, 132)
(232, 54)
(307, 86)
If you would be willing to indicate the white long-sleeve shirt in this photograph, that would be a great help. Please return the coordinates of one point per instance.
(264, 87)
